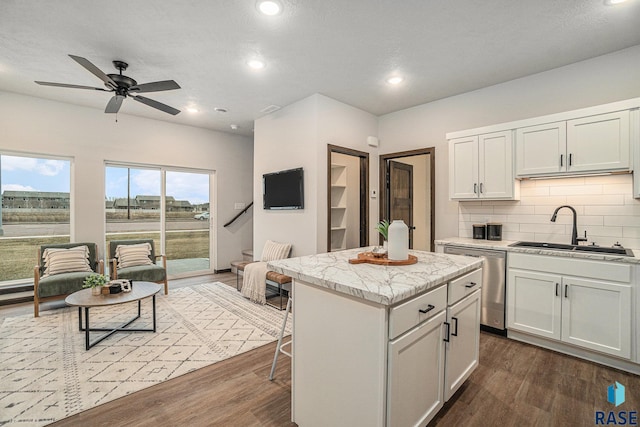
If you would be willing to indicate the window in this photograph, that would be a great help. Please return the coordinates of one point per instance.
(35, 211)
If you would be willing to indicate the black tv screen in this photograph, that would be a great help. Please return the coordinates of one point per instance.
(283, 190)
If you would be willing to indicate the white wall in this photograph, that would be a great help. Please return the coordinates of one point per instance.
(604, 79)
(35, 126)
(297, 136)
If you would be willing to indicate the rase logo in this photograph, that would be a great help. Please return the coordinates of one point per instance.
(615, 396)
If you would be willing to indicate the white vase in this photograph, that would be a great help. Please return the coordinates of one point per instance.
(398, 241)
(96, 290)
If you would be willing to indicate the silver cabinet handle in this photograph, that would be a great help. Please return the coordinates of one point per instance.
(481, 187)
(561, 158)
(475, 188)
(470, 285)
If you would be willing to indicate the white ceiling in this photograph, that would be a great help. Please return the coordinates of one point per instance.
(344, 49)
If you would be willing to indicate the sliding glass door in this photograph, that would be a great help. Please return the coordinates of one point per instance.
(170, 206)
(187, 222)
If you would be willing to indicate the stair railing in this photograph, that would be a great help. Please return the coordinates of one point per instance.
(239, 214)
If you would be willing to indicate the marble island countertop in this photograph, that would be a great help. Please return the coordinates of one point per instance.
(386, 285)
(504, 246)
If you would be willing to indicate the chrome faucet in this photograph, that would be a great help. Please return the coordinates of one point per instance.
(574, 233)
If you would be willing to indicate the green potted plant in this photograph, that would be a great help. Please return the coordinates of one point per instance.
(383, 229)
(95, 282)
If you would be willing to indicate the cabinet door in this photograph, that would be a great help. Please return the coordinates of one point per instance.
(597, 315)
(463, 168)
(598, 142)
(534, 303)
(541, 149)
(495, 165)
(463, 346)
(416, 374)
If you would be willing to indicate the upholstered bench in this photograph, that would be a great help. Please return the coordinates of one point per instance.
(274, 279)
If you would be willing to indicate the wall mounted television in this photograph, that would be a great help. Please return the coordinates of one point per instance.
(283, 190)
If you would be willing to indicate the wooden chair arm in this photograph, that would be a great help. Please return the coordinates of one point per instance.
(101, 267)
(113, 272)
(36, 277)
(164, 260)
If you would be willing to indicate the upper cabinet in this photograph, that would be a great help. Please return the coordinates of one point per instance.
(481, 167)
(588, 144)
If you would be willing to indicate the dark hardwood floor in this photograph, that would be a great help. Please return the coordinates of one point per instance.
(515, 385)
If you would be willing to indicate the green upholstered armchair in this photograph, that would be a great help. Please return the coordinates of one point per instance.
(147, 273)
(58, 286)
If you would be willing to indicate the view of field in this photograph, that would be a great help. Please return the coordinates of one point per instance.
(18, 254)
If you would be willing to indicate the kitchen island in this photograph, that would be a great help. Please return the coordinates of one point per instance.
(369, 340)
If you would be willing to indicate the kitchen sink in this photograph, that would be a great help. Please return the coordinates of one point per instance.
(577, 248)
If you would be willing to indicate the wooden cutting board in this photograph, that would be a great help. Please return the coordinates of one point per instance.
(370, 258)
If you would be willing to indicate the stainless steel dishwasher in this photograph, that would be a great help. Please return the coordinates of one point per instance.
(492, 315)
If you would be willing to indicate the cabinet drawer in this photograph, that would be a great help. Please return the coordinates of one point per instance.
(407, 315)
(464, 285)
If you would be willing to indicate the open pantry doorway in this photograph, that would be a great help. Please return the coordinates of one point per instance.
(347, 201)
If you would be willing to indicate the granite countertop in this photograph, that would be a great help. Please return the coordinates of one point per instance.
(386, 285)
(504, 246)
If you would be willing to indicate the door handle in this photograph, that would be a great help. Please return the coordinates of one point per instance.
(570, 159)
(455, 329)
(566, 290)
(446, 337)
(470, 285)
(428, 309)
(561, 159)
(557, 284)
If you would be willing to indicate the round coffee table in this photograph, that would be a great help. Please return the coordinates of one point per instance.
(84, 299)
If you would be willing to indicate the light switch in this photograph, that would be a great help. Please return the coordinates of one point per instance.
(238, 206)
(374, 194)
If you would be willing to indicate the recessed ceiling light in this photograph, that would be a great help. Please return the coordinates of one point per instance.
(613, 2)
(269, 7)
(395, 80)
(220, 110)
(256, 64)
(192, 110)
(234, 127)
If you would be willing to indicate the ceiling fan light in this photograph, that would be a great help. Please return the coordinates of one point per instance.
(395, 80)
(256, 64)
(269, 7)
(193, 110)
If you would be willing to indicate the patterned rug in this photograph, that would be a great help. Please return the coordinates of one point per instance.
(46, 374)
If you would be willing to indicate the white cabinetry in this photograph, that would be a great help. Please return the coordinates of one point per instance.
(416, 374)
(464, 342)
(588, 144)
(387, 366)
(338, 207)
(580, 302)
(481, 167)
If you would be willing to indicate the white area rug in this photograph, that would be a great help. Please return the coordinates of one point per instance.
(46, 374)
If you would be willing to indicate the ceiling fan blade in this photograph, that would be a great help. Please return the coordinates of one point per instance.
(155, 86)
(155, 104)
(114, 104)
(72, 86)
(94, 70)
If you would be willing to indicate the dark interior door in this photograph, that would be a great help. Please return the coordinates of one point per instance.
(401, 194)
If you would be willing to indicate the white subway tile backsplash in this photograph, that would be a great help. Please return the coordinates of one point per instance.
(542, 200)
(599, 199)
(572, 190)
(605, 207)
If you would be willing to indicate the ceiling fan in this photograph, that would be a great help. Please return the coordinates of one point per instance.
(122, 86)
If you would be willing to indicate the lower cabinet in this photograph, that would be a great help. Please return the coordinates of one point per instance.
(462, 348)
(587, 312)
(416, 374)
